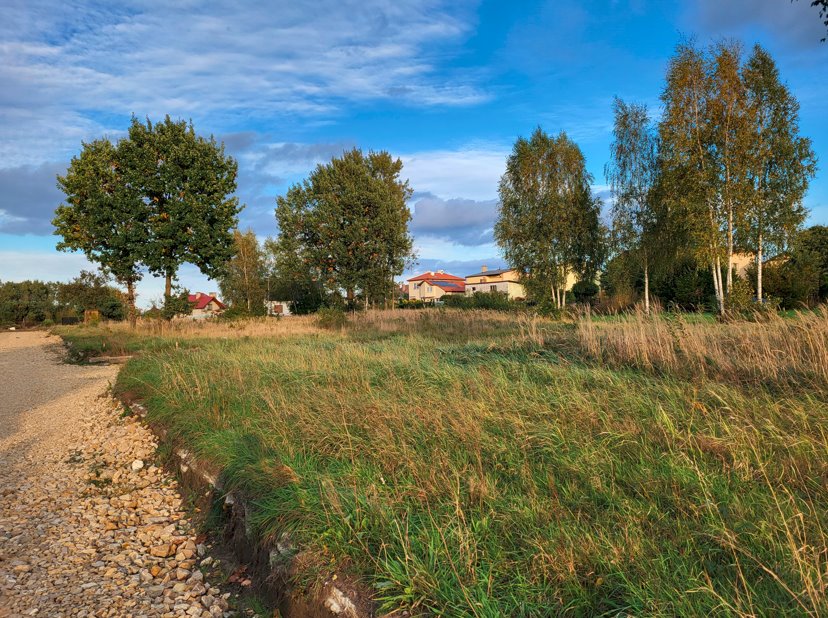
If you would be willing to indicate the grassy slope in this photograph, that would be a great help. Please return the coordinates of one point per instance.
(463, 469)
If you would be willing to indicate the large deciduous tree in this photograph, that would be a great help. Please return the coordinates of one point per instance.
(632, 173)
(242, 281)
(104, 216)
(347, 223)
(779, 164)
(692, 134)
(548, 224)
(186, 181)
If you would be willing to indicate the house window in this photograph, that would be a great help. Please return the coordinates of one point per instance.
(493, 288)
(473, 288)
(429, 288)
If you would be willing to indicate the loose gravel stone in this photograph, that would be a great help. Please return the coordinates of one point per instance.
(87, 526)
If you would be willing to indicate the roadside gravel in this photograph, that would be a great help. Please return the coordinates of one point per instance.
(88, 525)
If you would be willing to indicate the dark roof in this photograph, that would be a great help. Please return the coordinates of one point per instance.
(450, 286)
(490, 272)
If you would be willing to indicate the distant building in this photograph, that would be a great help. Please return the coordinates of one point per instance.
(503, 280)
(205, 305)
(277, 307)
(432, 286)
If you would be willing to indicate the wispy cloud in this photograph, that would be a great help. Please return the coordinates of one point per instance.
(470, 172)
(65, 67)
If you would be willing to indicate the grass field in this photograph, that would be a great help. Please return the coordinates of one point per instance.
(481, 464)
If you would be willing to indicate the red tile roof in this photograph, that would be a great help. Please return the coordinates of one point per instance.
(436, 276)
(200, 300)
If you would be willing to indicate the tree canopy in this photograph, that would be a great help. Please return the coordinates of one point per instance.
(549, 222)
(243, 280)
(347, 224)
(632, 173)
(154, 200)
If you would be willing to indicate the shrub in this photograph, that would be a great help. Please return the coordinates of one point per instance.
(176, 304)
(410, 304)
(585, 291)
(498, 301)
(331, 318)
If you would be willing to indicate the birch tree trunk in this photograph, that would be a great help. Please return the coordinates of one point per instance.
(646, 287)
(759, 269)
(729, 248)
(717, 281)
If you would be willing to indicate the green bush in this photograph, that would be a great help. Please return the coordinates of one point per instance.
(176, 304)
(404, 303)
(498, 301)
(331, 318)
(585, 292)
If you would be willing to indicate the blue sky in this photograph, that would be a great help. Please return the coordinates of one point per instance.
(446, 86)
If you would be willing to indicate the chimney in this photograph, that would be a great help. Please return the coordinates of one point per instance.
(214, 294)
(440, 272)
(431, 273)
(198, 295)
(484, 268)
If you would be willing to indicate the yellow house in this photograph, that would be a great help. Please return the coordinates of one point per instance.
(431, 286)
(503, 280)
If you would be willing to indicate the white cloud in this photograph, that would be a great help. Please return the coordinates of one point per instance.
(470, 173)
(17, 265)
(64, 66)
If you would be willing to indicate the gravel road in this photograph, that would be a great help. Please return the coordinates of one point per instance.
(88, 526)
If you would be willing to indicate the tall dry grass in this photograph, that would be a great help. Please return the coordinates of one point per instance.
(788, 352)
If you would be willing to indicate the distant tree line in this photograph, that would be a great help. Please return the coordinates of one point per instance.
(31, 303)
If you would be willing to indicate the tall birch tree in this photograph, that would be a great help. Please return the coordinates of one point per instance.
(730, 140)
(548, 224)
(686, 141)
(242, 281)
(780, 162)
(631, 173)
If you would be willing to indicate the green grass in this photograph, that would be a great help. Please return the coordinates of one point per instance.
(460, 469)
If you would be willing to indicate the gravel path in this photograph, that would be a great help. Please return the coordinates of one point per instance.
(88, 526)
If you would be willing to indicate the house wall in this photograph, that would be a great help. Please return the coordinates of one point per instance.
(423, 290)
(277, 307)
(210, 310)
(503, 282)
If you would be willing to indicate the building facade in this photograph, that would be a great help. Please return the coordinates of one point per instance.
(432, 286)
(503, 280)
(205, 305)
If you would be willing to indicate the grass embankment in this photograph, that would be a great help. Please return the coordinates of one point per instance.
(483, 465)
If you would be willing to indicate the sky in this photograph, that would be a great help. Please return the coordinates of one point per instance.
(445, 86)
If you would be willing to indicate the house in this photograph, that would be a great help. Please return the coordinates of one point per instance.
(432, 286)
(741, 263)
(502, 280)
(205, 305)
